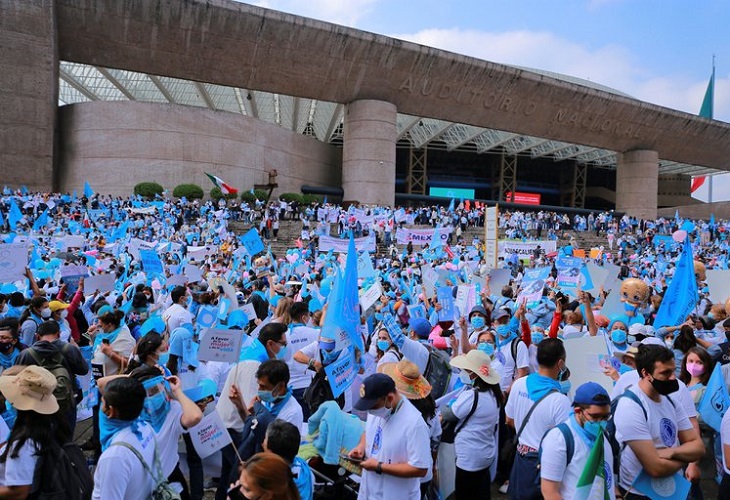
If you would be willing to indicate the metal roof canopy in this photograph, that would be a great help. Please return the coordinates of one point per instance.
(322, 119)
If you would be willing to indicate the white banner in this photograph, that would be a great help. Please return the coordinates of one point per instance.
(210, 435)
(13, 261)
(420, 237)
(524, 249)
(327, 243)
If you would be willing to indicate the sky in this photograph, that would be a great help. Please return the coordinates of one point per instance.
(659, 51)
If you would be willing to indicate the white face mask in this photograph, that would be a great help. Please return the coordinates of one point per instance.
(46, 313)
(380, 412)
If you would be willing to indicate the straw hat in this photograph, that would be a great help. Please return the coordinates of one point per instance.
(477, 362)
(31, 389)
(408, 379)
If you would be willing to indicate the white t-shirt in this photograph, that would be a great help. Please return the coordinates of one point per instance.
(661, 426)
(681, 398)
(119, 474)
(552, 410)
(292, 412)
(312, 351)
(176, 316)
(168, 438)
(554, 454)
(299, 337)
(122, 345)
(390, 356)
(19, 471)
(475, 444)
(504, 356)
(403, 437)
(725, 433)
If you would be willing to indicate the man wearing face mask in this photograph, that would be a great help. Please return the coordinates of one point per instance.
(394, 448)
(559, 471)
(177, 314)
(654, 433)
(536, 404)
(299, 336)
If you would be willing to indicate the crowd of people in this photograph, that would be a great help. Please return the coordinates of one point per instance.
(369, 366)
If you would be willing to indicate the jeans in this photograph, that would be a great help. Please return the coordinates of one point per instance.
(229, 464)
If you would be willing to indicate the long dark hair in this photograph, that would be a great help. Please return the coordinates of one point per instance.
(43, 430)
(481, 386)
(707, 362)
(426, 406)
(146, 346)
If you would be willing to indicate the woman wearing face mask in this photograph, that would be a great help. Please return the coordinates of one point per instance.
(35, 314)
(64, 313)
(266, 476)
(10, 345)
(476, 412)
(387, 352)
(618, 335)
(151, 350)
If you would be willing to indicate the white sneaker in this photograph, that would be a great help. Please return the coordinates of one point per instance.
(503, 489)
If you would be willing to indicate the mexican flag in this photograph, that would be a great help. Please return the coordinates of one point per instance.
(592, 482)
(225, 188)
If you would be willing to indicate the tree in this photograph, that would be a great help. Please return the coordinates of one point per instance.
(189, 191)
(148, 189)
(217, 194)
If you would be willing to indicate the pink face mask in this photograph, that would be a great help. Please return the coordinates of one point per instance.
(695, 369)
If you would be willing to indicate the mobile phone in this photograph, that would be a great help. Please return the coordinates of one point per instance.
(105, 341)
(347, 457)
(235, 493)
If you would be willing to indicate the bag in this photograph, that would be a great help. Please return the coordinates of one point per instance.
(56, 364)
(61, 473)
(162, 490)
(319, 391)
(438, 371)
(509, 448)
(449, 428)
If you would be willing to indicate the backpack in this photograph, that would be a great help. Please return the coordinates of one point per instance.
(569, 442)
(320, 391)
(438, 371)
(162, 490)
(61, 473)
(56, 364)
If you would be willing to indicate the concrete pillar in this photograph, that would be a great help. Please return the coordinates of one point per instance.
(637, 183)
(368, 154)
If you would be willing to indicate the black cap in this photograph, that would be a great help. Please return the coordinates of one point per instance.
(374, 387)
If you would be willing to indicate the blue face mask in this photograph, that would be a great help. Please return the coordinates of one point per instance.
(565, 386)
(503, 331)
(282, 354)
(383, 345)
(164, 358)
(593, 428)
(486, 347)
(478, 322)
(537, 337)
(618, 337)
(327, 345)
(267, 396)
(157, 406)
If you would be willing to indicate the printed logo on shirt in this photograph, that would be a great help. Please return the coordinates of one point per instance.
(607, 474)
(377, 442)
(667, 432)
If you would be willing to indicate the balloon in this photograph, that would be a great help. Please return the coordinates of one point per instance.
(679, 235)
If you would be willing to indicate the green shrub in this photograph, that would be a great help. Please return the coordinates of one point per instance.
(291, 197)
(308, 199)
(217, 194)
(148, 189)
(258, 194)
(189, 191)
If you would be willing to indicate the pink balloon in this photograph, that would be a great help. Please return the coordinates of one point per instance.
(292, 258)
(679, 235)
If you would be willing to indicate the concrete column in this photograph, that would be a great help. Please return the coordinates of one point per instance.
(28, 92)
(368, 155)
(637, 183)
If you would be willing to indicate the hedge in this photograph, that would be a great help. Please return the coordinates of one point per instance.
(258, 194)
(189, 191)
(217, 194)
(148, 189)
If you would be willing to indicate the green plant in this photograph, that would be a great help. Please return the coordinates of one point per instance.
(308, 199)
(189, 191)
(217, 194)
(291, 197)
(148, 189)
(249, 197)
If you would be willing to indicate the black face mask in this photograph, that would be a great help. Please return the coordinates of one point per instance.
(665, 387)
(5, 347)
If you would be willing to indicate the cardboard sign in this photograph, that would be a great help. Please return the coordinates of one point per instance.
(342, 372)
(370, 296)
(249, 311)
(102, 282)
(13, 261)
(220, 345)
(210, 435)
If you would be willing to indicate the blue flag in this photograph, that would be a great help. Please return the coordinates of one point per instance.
(41, 221)
(252, 242)
(7, 191)
(15, 214)
(88, 192)
(681, 296)
(120, 232)
(716, 400)
(676, 217)
(712, 221)
(2, 220)
(669, 487)
(23, 190)
(451, 205)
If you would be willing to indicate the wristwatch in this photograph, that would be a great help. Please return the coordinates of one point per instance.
(310, 365)
(379, 468)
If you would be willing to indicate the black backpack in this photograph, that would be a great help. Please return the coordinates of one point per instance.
(320, 391)
(438, 371)
(61, 473)
(56, 364)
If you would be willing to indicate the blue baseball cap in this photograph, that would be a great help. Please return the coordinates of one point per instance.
(591, 393)
(420, 326)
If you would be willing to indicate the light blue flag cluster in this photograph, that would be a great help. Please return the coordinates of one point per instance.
(716, 400)
(88, 192)
(252, 242)
(681, 296)
(15, 215)
(41, 221)
(451, 205)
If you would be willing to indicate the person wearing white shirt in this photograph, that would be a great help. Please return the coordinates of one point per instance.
(299, 336)
(725, 434)
(559, 471)
(540, 394)
(654, 433)
(394, 448)
(177, 314)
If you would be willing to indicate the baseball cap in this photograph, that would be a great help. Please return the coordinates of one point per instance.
(374, 387)
(591, 393)
(652, 341)
(480, 310)
(420, 326)
(499, 314)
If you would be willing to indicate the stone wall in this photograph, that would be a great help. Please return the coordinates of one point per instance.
(115, 145)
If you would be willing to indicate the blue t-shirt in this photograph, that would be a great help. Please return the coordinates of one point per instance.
(303, 478)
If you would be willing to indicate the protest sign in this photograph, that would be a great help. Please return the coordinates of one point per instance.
(73, 241)
(370, 296)
(718, 280)
(365, 266)
(201, 252)
(587, 357)
(498, 279)
(465, 298)
(342, 372)
(176, 280)
(102, 282)
(252, 242)
(220, 345)
(662, 488)
(193, 273)
(13, 261)
(417, 311)
(70, 276)
(448, 309)
(429, 277)
(525, 249)
(364, 244)
(532, 285)
(249, 311)
(151, 263)
(421, 237)
(568, 271)
(210, 435)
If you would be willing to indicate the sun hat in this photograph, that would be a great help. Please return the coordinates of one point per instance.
(408, 379)
(478, 362)
(31, 389)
